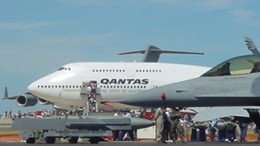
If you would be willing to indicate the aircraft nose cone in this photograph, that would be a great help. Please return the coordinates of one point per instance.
(32, 87)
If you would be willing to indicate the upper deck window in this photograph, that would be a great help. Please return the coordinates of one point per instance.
(236, 66)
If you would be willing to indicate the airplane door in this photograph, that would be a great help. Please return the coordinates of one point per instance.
(130, 69)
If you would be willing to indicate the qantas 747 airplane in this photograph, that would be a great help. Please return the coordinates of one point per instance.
(114, 80)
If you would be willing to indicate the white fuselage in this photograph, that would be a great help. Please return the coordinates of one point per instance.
(115, 80)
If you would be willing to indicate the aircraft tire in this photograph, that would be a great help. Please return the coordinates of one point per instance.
(50, 140)
(30, 140)
(94, 140)
(73, 139)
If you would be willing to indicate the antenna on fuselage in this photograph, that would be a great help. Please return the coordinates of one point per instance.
(152, 53)
(251, 46)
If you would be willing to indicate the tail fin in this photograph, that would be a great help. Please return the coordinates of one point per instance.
(152, 53)
(6, 95)
(6, 92)
(251, 46)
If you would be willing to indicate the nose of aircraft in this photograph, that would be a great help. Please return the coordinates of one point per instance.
(32, 87)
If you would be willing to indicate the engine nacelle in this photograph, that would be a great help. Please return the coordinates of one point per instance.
(44, 102)
(26, 100)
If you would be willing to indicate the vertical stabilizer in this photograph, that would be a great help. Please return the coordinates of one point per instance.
(251, 46)
(6, 92)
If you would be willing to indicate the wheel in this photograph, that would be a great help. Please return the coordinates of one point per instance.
(94, 140)
(50, 140)
(30, 140)
(73, 139)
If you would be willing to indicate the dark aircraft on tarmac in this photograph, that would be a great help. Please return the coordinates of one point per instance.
(234, 82)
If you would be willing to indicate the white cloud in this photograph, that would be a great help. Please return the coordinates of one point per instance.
(218, 4)
(84, 2)
(165, 1)
(242, 14)
(81, 40)
(21, 26)
(199, 4)
(48, 52)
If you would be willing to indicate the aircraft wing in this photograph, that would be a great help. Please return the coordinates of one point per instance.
(10, 98)
(133, 52)
(180, 52)
(6, 95)
(152, 53)
(221, 96)
(210, 113)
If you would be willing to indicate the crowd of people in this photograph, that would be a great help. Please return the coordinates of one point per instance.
(39, 114)
(168, 125)
(223, 131)
(171, 124)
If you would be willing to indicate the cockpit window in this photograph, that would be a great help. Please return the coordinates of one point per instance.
(236, 66)
(62, 68)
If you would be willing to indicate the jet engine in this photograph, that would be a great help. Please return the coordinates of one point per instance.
(44, 102)
(26, 100)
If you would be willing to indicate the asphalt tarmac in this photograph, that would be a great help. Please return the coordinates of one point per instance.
(134, 144)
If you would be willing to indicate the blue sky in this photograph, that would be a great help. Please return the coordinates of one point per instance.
(37, 37)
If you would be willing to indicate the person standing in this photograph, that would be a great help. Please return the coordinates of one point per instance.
(176, 125)
(5, 114)
(158, 117)
(237, 132)
(166, 124)
(187, 126)
(243, 127)
(125, 133)
(116, 132)
(213, 130)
